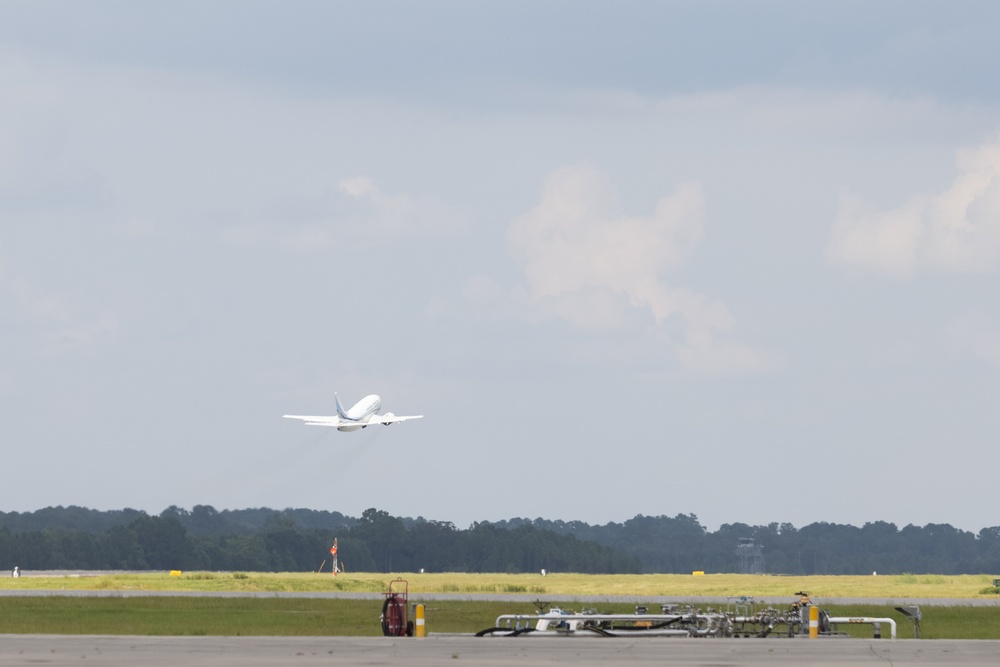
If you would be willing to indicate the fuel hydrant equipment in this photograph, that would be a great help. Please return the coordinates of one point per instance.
(394, 610)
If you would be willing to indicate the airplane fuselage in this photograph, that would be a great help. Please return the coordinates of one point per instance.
(361, 412)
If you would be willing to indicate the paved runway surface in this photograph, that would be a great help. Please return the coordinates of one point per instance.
(455, 650)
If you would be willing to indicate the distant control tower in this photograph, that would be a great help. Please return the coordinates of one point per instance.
(751, 555)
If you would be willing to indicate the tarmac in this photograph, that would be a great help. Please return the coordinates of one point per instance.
(114, 651)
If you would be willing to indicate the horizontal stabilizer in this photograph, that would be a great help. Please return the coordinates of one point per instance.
(392, 419)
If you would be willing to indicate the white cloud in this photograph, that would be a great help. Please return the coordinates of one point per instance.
(587, 263)
(957, 230)
(359, 186)
(575, 238)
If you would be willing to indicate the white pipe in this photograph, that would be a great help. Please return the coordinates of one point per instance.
(867, 619)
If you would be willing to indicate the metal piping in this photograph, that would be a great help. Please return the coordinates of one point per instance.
(867, 619)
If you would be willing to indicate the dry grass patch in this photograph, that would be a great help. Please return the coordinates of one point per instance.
(557, 584)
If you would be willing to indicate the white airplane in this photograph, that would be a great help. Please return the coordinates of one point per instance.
(362, 414)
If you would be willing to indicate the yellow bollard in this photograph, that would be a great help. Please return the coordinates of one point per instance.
(419, 630)
(813, 622)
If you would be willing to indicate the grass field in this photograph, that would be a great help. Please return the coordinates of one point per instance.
(568, 584)
(325, 617)
(319, 617)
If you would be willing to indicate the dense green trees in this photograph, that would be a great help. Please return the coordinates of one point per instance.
(680, 544)
(292, 540)
(298, 540)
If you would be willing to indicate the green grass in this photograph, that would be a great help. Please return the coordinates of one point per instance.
(188, 616)
(318, 617)
(937, 622)
(310, 617)
(228, 616)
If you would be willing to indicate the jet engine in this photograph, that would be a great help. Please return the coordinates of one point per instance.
(388, 414)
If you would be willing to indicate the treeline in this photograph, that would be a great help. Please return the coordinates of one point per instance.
(298, 540)
(288, 541)
(201, 520)
(681, 544)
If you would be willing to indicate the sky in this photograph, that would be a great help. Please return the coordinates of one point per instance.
(733, 259)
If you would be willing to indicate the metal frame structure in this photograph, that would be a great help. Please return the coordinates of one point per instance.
(751, 555)
(741, 618)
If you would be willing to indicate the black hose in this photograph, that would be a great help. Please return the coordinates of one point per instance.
(393, 617)
(506, 632)
(654, 626)
(597, 630)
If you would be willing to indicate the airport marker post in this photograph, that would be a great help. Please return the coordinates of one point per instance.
(813, 622)
(419, 630)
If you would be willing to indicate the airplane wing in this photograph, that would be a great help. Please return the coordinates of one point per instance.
(315, 420)
(389, 418)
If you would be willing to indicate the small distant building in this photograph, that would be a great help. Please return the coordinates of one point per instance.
(751, 556)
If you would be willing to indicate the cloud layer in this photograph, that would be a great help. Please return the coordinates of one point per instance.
(586, 262)
(957, 230)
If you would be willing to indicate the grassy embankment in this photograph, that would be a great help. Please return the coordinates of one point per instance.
(559, 584)
(304, 617)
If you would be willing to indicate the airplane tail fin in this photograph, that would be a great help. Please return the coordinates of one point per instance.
(340, 408)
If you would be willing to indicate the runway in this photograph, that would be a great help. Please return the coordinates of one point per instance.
(113, 651)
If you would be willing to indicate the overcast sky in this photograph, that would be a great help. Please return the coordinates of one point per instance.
(733, 259)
